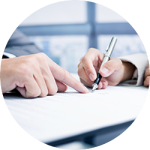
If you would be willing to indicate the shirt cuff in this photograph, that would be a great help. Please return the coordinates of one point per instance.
(9, 55)
(140, 61)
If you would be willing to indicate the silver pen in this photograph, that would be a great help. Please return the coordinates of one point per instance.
(107, 56)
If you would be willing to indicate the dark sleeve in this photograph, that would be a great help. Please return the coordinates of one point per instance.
(19, 45)
(3, 56)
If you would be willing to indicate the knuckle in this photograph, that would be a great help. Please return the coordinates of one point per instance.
(84, 59)
(41, 56)
(92, 49)
(65, 74)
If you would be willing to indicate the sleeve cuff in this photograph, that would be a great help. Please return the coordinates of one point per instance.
(8, 55)
(140, 61)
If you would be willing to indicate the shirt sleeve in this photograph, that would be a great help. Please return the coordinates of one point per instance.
(19, 45)
(8, 55)
(140, 61)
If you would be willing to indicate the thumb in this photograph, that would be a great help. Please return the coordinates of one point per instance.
(104, 71)
(110, 66)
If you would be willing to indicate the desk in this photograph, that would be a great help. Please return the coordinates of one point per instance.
(78, 117)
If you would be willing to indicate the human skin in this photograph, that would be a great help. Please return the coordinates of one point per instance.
(113, 72)
(36, 76)
(147, 77)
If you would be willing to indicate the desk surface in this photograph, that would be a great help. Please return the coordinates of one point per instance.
(72, 116)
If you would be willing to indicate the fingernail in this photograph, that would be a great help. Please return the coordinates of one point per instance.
(91, 76)
(105, 70)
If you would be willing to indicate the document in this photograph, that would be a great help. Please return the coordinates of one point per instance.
(71, 113)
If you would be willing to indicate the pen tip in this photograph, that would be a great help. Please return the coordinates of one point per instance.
(92, 90)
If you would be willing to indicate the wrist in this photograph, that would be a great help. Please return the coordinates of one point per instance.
(128, 70)
(3, 61)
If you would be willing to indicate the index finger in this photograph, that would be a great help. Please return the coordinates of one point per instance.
(65, 77)
(91, 63)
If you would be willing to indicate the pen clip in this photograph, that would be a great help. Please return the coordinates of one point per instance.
(107, 48)
(111, 45)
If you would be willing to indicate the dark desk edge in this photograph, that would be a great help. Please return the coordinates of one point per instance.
(83, 136)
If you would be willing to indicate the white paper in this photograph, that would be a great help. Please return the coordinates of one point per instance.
(71, 113)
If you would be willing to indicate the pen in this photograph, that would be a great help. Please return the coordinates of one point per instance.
(107, 56)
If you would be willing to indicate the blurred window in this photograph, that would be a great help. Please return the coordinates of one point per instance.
(66, 30)
(66, 51)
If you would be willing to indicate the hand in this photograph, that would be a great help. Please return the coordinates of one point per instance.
(113, 72)
(36, 75)
(147, 76)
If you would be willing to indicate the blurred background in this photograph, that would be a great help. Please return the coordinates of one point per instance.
(66, 30)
